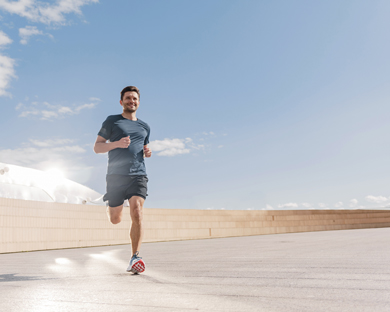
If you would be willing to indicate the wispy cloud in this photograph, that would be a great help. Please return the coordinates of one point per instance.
(39, 12)
(47, 111)
(4, 39)
(42, 12)
(173, 147)
(288, 205)
(353, 202)
(52, 142)
(7, 73)
(35, 153)
(7, 65)
(28, 31)
(84, 106)
(376, 199)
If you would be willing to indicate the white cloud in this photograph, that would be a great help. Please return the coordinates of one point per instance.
(306, 205)
(48, 111)
(353, 202)
(288, 205)
(35, 156)
(24, 8)
(7, 72)
(322, 205)
(36, 11)
(269, 207)
(51, 142)
(376, 199)
(4, 39)
(339, 204)
(169, 147)
(55, 13)
(27, 32)
(48, 114)
(85, 106)
(173, 147)
(65, 110)
(43, 12)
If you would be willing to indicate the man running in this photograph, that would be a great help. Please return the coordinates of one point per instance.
(127, 145)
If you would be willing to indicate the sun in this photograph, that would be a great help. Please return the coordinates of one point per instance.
(55, 172)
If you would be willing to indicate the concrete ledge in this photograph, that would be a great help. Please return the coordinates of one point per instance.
(31, 225)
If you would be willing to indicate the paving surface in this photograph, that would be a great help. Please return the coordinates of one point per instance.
(317, 271)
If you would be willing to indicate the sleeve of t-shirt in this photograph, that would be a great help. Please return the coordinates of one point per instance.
(146, 142)
(105, 130)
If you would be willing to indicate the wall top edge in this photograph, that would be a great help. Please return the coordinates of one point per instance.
(29, 203)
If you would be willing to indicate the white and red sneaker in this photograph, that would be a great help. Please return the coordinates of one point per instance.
(136, 265)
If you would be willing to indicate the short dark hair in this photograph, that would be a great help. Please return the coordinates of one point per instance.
(130, 89)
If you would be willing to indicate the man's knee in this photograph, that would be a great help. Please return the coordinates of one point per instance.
(114, 214)
(137, 214)
(115, 219)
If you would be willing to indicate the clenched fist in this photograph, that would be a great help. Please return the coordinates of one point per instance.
(124, 142)
(147, 152)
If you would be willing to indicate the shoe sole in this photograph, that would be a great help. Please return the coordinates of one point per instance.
(137, 267)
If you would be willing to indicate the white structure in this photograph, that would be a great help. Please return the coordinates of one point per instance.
(31, 184)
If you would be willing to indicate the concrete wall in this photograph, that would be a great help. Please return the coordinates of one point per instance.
(29, 225)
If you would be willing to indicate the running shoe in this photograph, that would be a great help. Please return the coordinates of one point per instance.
(136, 265)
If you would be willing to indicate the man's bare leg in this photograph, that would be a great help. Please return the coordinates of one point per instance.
(136, 214)
(114, 214)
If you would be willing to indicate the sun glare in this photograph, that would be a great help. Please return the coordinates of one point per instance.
(55, 172)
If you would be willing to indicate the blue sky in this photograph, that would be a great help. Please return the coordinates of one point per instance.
(251, 104)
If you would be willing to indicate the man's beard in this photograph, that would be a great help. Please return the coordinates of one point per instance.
(130, 110)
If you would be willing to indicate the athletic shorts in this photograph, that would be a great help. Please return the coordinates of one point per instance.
(122, 187)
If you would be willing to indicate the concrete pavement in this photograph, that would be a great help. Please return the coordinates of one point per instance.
(314, 271)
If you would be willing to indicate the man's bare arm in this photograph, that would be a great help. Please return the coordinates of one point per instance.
(102, 146)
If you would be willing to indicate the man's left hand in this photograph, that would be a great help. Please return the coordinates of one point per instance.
(147, 152)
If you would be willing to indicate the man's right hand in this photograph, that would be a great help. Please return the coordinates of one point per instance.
(101, 145)
(124, 142)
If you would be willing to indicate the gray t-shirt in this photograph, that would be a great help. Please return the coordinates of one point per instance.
(126, 161)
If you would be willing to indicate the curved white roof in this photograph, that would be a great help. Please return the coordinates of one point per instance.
(31, 184)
